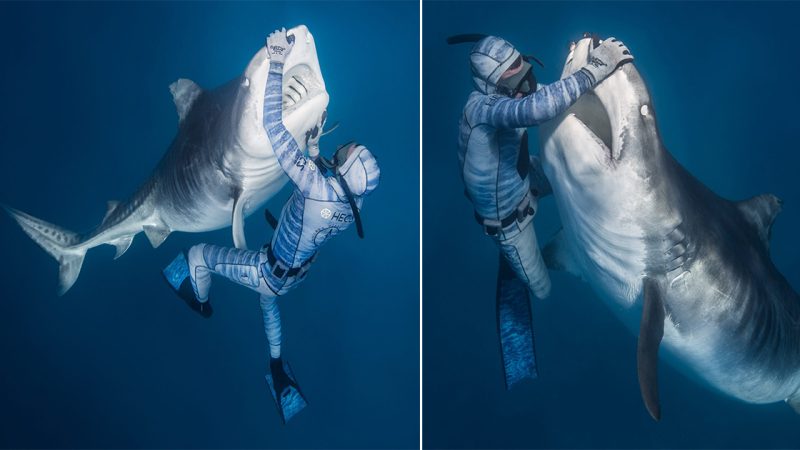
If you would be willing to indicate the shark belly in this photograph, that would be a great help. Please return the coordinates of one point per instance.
(631, 213)
(617, 232)
(600, 216)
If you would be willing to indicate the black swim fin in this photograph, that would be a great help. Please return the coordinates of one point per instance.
(284, 389)
(176, 275)
(515, 326)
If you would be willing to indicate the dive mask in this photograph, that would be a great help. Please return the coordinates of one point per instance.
(522, 82)
(338, 159)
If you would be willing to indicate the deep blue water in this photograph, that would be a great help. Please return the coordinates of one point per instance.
(119, 361)
(723, 78)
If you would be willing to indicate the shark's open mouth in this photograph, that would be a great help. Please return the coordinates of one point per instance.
(299, 85)
(591, 112)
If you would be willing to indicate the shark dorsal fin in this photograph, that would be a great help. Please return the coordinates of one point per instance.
(184, 93)
(760, 211)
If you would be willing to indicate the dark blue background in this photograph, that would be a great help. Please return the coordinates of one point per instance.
(724, 82)
(119, 361)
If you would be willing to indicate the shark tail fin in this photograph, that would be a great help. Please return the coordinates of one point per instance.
(58, 242)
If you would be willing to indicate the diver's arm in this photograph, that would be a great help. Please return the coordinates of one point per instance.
(544, 104)
(298, 168)
(554, 98)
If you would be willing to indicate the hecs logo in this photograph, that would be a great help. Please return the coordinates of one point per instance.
(336, 216)
(342, 217)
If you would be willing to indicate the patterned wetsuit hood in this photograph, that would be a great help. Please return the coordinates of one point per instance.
(360, 171)
(489, 58)
(357, 173)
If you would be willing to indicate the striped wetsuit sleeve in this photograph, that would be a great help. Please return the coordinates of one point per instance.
(544, 104)
(299, 169)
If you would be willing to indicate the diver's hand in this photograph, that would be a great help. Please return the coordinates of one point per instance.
(607, 57)
(313, 149)
(313, 136)
(279, 44)
(312, 140)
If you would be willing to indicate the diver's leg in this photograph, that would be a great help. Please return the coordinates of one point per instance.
(514, 310)
(272, 324)
(237, 265)
(281, 381)
(199, 272)
(523, 254)
(188, 276)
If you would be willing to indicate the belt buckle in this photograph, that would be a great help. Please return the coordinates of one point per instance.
(278, 270)
(524, 211)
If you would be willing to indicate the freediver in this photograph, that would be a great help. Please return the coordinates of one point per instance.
(326, 200)
(493, 142)
(504, 182)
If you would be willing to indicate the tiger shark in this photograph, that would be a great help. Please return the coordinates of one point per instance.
(219, 168)
(686, 268)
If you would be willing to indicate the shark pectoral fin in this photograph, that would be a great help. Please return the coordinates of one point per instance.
(651, 330)
(184, 93)
(557, 256)
(112, 205)
(156, 234)
(237, 223)
(122, 244)
(794, 402)
(760, 211)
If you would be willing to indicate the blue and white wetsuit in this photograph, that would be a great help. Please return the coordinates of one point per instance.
(317, 210)
(496, 167)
